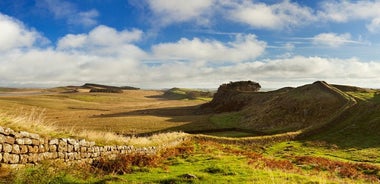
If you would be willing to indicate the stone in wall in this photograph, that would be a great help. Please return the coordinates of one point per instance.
(24, 148)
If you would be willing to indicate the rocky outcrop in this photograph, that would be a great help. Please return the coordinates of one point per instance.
(230, 97)
(23, 148)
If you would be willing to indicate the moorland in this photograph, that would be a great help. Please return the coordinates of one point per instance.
(315, 133)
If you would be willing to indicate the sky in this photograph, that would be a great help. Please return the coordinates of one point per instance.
(194, 44)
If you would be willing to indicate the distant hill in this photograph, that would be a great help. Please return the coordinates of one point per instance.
(183, 93)
(100, 86)
(91, 87)
(320, 110)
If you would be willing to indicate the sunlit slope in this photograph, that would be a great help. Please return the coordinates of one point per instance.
(359, 126)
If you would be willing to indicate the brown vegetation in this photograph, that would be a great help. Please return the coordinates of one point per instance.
(125, 163)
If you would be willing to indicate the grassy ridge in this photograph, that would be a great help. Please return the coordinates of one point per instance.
(343, 148)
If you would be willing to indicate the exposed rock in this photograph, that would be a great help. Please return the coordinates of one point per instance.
(189, 176)
(225, 98)
(11, 158)
(7, 148)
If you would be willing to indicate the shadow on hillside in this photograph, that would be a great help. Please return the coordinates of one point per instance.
(189, 118)
(167, 97)
(358, 127)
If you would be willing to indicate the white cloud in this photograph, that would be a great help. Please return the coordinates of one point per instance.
(169, 11)
(244, 47)
(103, 40)
(374, 26)
(66, 10)
(345, 11)
(106, 55)
(276, 16)
(332, 39)
(14, 34)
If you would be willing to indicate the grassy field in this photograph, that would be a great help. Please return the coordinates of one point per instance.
(347, 151)
(132, 112)
(210, 162)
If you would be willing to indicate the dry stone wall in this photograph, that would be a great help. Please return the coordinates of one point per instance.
(24, 148)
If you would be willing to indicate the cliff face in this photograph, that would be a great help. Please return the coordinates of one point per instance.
(232, 96)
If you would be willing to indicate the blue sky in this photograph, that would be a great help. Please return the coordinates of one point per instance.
(198, 43)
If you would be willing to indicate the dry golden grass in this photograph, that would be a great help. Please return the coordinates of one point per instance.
(132, 112)
(34, 121)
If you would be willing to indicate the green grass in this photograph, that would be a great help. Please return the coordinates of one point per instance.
(372, 96)
(323, 149)
(230, 134)
(187, 94)
(226, 120)
(209, 163)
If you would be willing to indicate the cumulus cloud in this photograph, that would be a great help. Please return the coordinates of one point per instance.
(68, 11)
(106, 55)
(244, 47)
(103, 40)
(169, 11)
(100, 36)
(281, 15)
(344, 11)
(332, 39)
(14, 34)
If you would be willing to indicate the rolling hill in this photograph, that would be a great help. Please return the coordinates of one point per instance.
(319, 110)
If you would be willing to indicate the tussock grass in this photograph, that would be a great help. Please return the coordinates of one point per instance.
(30, 120)
(33, 120)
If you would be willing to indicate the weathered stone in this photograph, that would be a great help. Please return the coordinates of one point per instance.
(23, 149)
(70, 148)
(34, 136)
(70, 156)
(83, 149)
(77, 156)
(9, 140)
(8, 131)
(72, 141)
(24, 141)
(53, 148)
(35, 142)
(16, 148)
(1, 157)
(62, 145)
(11, 158)
(96, 149)
(1, 147)
(33, 149)
(7, 148)
(44, 156)
(24, 134)
(61, 155)
(83, 142)
(24, 159)
(2, 138)
(90, 150)
(41, 148)
(53, 142)
(54, 155)
(33, 157)
(1, 130)
(76, 147)
(62, 148)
